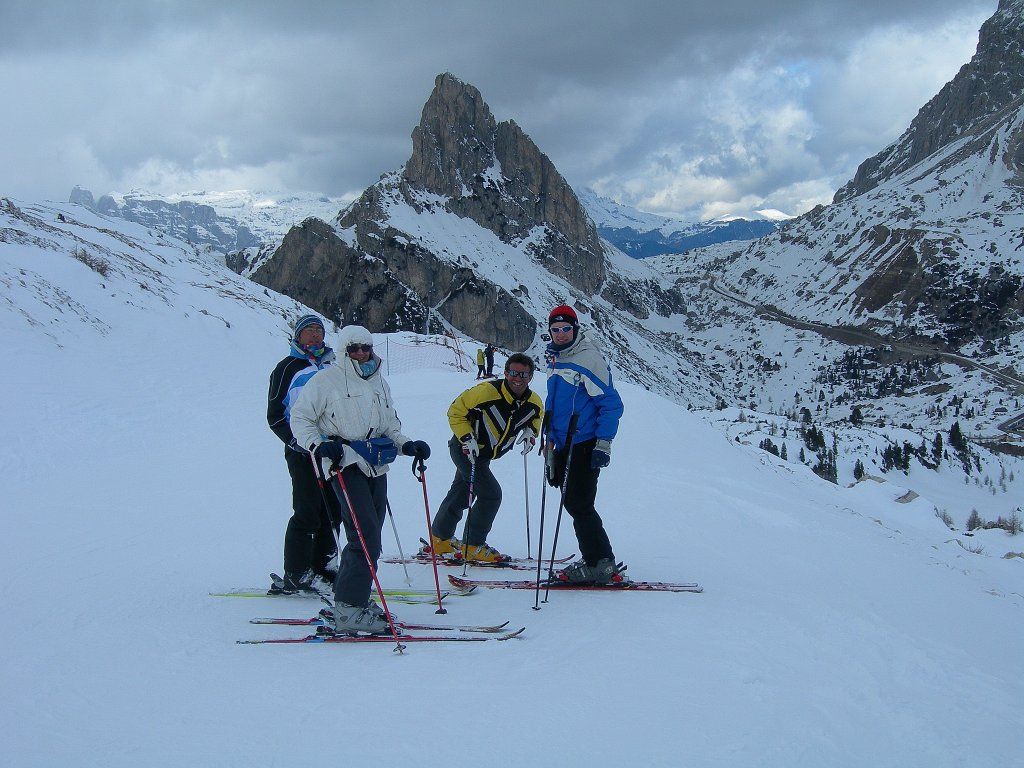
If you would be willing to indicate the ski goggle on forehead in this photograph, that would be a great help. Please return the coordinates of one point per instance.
(353, 348)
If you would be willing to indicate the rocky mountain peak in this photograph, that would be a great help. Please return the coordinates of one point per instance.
(494, 174)
(989, 83)
(454, 140)
(478, 231)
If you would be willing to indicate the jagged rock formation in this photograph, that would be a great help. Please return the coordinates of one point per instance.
(987, 85)
(495, 175)
(478, 230)
(195, 223)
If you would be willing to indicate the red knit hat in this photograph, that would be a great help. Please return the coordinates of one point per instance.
(563, 312)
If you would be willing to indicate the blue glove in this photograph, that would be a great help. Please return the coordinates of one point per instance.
(602, 455)
(330, 450)
(417, 449)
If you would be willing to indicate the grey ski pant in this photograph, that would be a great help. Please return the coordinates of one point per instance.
(485, 507)
(369, 497)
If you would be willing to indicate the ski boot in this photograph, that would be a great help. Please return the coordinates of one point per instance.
(292, 583)
(482, 553)
(603, 572)
(323, 579)
(345, 619)
(442, 547)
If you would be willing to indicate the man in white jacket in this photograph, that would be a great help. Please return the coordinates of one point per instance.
(345, 416)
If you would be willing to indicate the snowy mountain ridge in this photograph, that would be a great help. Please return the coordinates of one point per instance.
(643, 235)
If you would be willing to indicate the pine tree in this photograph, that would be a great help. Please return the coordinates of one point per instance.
(974, 521)
(858, 470)
(856, 417)
(956, 437)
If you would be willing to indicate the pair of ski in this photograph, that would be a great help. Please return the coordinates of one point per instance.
(454, 560)
(324, 634)
(626, 586)
(398, 595)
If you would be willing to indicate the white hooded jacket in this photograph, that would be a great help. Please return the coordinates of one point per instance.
(340, 401)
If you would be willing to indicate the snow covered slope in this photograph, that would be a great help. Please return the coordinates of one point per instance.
(837, 627)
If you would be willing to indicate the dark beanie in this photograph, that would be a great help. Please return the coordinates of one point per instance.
(304, 322)
(563, 313)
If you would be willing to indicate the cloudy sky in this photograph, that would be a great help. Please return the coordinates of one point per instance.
(679, 106)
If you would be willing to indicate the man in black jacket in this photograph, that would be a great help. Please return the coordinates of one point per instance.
(309, 541)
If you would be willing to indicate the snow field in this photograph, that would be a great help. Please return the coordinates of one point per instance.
(837, 627)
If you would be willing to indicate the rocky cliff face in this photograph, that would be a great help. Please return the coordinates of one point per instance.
(477, 230)
(987, 85)
(494, 174)
(186, 220)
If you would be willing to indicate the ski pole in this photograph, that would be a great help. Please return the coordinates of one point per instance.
(540, 541)
(327, 506)
(469, 511)
(544, 447)
(569, 435)
(526, 492)
(369, 560)
(398, 541)
(418, 464)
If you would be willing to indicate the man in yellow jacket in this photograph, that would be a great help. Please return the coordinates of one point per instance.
(486, 419)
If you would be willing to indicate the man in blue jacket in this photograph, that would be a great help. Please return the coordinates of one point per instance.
(580, 385)
(309, 542)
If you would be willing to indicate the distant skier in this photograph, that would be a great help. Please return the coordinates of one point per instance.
(580, 383)
(486, 420)
(309, 544)
(346, 417)
(489, 354)
(480, 362)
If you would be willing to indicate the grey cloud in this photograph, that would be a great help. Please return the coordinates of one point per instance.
(323, 95)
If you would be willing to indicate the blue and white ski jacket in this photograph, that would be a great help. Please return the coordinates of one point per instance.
(285, 382)
(580, 381)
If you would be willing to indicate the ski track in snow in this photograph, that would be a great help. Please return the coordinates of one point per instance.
(837, 626)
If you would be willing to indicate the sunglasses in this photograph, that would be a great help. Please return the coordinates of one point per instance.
(519, 374)
(353, 348)
(561, 328)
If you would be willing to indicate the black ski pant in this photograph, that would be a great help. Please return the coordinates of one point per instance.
(309, 539)
(487, 499)
(580, 494)
(369, 498)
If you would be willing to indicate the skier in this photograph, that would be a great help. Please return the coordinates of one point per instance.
(486, 419)
(346, 418)
(480, 363)
(309, 543)
(489, 354)
(580, 384)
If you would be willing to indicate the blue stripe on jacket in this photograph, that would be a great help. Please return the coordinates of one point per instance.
(597, 403)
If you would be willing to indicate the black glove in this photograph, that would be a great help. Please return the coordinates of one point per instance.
(330, 450)
(416, 448)
(602, 454)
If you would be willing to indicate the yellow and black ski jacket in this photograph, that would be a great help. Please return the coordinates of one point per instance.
(494, 417)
